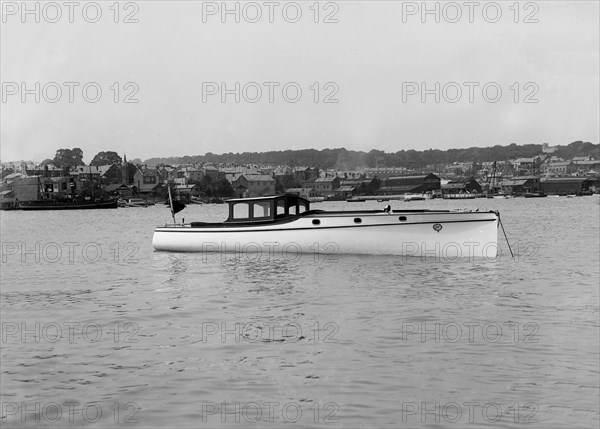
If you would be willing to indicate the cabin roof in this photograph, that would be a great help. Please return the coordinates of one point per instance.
(270, 197)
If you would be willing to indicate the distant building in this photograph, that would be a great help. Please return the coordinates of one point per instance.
(22, 189)
(306, 174)
(309, 184)
(111, 173)
(186, 191)
(253, 185)
(9, 178)
(342, 174)
(566, 185)
(35, 188)
(560, 168)
(345, 191)
(212, 172)
(147, 178)
(520, 185)
(584, 165)
(526, 166)
(87, 172)
(521, 163)
(150, 190)
(470, 186)
(147, 182)
(177, 175)
(282, 170)
(410, 184)
(326, 186)
(49, 170)
(58, 186)
(233, 173)
(360, 186)
(7, 199)
(119, 189)
(384, 172)
(303, 192)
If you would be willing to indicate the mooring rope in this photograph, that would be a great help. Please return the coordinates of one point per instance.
(502, 226)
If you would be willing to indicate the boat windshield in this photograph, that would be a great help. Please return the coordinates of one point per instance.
(266, 208)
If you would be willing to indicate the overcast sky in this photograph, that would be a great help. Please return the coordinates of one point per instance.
(496, 81)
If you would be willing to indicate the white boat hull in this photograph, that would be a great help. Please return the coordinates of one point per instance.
(439, 234)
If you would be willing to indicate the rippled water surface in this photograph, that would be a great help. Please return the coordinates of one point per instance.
(100, 330)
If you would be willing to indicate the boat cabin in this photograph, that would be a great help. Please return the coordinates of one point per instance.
(266, 208)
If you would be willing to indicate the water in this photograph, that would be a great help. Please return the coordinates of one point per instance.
(95, 337)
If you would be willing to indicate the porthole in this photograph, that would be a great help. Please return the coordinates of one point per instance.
(316, 222)
(357, 220)
(402, 218)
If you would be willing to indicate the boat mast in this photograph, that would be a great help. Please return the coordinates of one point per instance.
(91, 181)
(493, 177)
(171, 202)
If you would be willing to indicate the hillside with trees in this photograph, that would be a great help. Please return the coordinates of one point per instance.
(343, 159)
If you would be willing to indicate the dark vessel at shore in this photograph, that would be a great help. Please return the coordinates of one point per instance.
(52, 197)
(535, 195)
(66, 204)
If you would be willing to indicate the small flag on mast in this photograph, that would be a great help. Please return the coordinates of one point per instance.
(175, 205)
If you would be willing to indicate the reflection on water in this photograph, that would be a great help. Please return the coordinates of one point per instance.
(169, 339)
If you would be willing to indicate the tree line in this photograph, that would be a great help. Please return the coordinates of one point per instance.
(343, 159)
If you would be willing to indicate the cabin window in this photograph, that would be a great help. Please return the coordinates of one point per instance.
(280, 207)
(301, 207)
(316, 222)
(241, 211)
(292, 210)
(262, 209)
(357, 220)
(402, 218)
